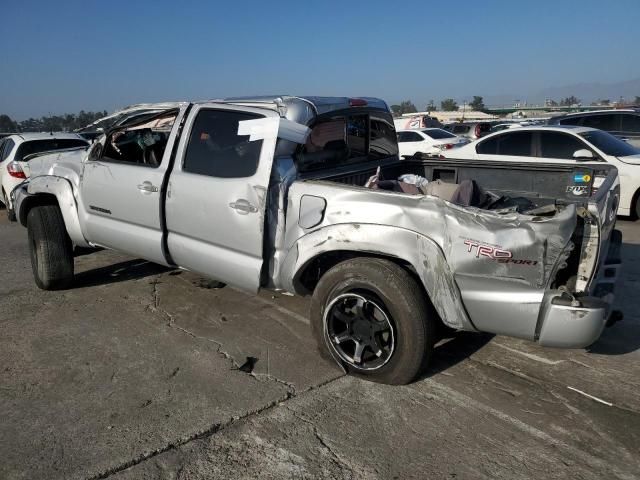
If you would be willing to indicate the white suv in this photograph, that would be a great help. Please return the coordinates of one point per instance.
(427, 140)
(15, 152)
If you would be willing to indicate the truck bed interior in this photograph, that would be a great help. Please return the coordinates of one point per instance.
(542, 184)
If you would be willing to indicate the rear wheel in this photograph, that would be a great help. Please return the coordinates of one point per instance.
(372, 316)
(636, 210)
(50, 248)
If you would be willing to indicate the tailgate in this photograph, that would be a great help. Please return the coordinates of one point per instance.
(600, 246)
(593, 187)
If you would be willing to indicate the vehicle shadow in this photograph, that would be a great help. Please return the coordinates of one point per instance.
(453, 349)
(118, 272)
(617, 340)
(624, 336)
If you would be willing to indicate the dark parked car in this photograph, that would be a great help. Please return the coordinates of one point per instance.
(624, 124)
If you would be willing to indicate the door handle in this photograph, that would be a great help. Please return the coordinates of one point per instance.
(243, 207)
(147, 187)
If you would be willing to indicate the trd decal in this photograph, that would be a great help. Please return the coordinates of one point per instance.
(516, 261)
(486, 251)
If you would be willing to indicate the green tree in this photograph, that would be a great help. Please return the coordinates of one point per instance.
(567, 102)
(448, 105)
(477, 104)
(67, 122)
(637, 100)
(431, 106)
(405, 107)
(7, 125)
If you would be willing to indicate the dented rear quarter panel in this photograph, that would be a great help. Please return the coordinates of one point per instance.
(483, 270)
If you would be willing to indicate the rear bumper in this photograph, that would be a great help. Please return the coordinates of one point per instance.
(579, 323)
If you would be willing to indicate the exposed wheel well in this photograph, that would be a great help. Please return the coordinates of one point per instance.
(309, 276)
(35, 201)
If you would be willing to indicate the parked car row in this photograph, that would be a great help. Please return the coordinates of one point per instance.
(623, 123)
(611, 136)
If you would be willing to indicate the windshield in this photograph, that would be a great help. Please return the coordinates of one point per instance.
(117, 119)
(609, 144)
(39, 146)
(437, 133)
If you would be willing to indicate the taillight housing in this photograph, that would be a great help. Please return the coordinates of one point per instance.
(445, 146)
(477, 131)
(15, 170)
(357, 102)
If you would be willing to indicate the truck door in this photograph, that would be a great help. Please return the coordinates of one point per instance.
(217, 193)
(121, 186)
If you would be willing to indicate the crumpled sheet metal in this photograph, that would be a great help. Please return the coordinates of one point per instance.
(454, 234)
(63, 191)
(422, 253)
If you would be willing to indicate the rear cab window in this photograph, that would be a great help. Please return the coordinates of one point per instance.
(349, 137)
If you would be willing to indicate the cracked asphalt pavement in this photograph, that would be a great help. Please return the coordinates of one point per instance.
(141, 372)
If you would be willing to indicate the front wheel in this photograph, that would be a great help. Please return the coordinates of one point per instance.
(50, 248)
(372, 316)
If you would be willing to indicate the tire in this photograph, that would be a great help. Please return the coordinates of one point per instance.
(50, 248)
(635, 214)
(391, 296)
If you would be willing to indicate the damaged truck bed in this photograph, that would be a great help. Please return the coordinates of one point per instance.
(269, 192)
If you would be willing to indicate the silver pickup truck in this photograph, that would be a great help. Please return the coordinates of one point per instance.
(269, 192)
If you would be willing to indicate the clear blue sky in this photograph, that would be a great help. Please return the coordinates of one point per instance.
(65, 56)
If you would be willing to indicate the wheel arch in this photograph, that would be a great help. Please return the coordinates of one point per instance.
(314, 254)
(52, 190)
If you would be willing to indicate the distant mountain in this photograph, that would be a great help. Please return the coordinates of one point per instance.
(586, 92)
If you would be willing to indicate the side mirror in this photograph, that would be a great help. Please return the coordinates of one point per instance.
(583, 154)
